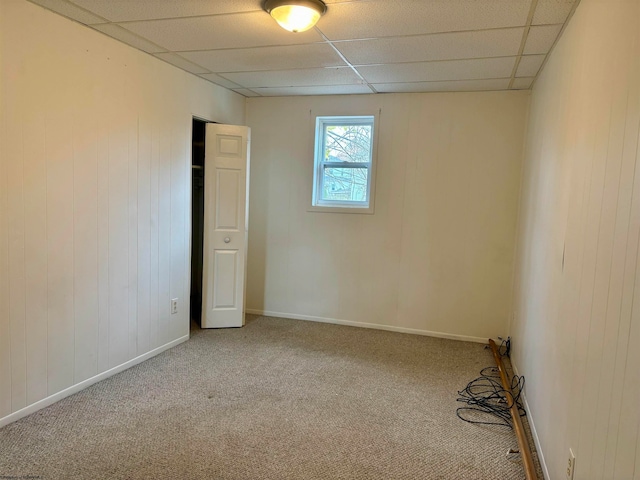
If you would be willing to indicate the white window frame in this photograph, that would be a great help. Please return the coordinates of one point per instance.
(342, 206)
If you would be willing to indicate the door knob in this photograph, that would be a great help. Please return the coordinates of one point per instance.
(227, 239)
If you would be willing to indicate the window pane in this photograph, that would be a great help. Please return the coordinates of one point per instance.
(348, 184)
(347, 143)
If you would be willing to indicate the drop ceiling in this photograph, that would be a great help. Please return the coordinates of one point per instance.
(358, 46)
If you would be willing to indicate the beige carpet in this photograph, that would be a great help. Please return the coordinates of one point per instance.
(277, 399)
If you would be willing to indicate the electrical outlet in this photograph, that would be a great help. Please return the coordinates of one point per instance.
(571, 465)
(174, 306)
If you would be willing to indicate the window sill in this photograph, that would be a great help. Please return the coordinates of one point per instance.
(328, 209)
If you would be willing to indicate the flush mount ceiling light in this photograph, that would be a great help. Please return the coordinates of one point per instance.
(295, 15)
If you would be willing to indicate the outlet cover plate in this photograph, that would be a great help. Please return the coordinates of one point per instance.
(571, 465)
(174, 306)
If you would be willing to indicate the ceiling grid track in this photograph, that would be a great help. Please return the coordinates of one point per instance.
(525, 35)
(344, 59)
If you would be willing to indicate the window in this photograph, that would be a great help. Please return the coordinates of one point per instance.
(343, 167)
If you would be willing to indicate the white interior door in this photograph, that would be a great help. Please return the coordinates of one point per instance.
(225, 225)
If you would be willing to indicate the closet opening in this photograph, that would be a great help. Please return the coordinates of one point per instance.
(197, 219)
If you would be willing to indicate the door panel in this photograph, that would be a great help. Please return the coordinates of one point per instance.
(225, 225)
(228, 190)
(226, 277)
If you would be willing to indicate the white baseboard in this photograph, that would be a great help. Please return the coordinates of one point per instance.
(45, 402)
(534, 432)
(375, 326)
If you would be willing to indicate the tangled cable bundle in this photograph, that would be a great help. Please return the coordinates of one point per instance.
(487, 402)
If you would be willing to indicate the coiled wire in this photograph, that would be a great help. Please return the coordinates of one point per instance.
(486, 401)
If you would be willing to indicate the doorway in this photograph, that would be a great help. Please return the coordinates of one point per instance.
(197, 218)
(218, 239)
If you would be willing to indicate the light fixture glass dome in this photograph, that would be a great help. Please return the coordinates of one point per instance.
(295, 15)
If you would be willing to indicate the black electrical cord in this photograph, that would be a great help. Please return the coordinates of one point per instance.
(487, 402)
(505, 347)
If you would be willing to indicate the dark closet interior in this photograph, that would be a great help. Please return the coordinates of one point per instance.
(197, 217)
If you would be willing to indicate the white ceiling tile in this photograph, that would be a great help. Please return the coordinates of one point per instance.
(441, 46)
(552, 11)
(541, 39)
(267, 58)
(128, 37)
(529, 65)
(404, 45)
(522, 83)
(223, 31)
(128, 10)
(217, 79)
(454, 86)
(182, 63)
(295, 78)
(63, 7)
(246, 92)
(385, 18)
(434, 71)
(317, 90)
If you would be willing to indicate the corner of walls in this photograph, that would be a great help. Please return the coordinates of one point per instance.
(516, 232)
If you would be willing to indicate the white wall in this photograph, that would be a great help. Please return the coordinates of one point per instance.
(576, 332)
(437, 255)
(94, 202)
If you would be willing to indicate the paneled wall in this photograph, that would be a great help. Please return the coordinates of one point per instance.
(576, 331)
(94, 202)
(436, 257)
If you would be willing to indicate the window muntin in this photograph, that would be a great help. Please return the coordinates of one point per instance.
(343, 161)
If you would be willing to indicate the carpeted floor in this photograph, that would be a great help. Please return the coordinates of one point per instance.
(277, 399)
